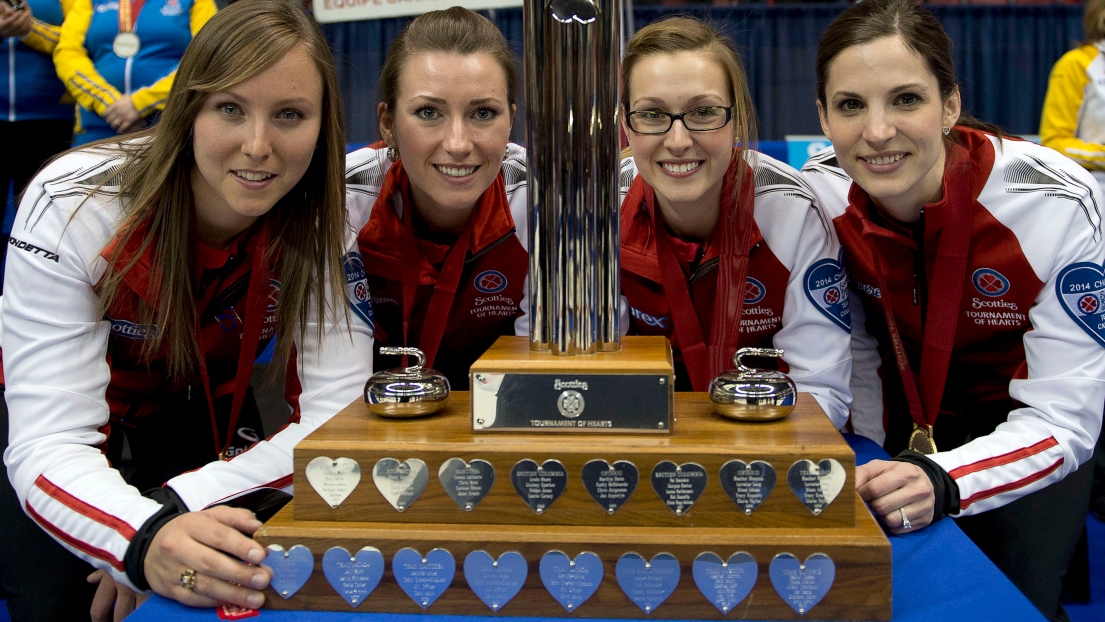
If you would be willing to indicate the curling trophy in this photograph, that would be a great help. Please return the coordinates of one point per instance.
(571, 481)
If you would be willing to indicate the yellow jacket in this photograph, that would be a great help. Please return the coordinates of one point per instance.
(1073, 118)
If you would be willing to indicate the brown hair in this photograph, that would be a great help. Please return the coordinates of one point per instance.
(455, 30)
(1093, 21)
(918, 29)
(307, 225)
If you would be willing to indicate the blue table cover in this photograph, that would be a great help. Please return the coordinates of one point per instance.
(939, 575)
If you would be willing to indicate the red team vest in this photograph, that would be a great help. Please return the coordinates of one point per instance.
(488, 294)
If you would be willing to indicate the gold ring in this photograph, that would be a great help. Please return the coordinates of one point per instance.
(188, 579)
(905, 521)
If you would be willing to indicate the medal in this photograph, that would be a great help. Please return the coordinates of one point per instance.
(126, 44)
(921, 441)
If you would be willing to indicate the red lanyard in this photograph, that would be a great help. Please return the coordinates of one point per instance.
(938, 338)
(734, 228)
(128, 14)
(256, 304)
(437, 314)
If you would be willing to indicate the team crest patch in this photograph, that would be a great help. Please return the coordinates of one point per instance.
(990, 282)
(272, 303)
(356, 288)
(754, 291)
(826, 286)
(1081, 290)
(490, 281)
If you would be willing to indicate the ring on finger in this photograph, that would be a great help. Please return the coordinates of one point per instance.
(905, 519)
(188, 579)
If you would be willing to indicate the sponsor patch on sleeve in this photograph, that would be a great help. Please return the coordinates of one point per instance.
(1081, 291)
(356, 288)
(826, 286)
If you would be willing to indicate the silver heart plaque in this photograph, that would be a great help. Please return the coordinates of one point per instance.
(725, 583)
(610, 485)
(539, 486)
(802, 585)
(816, 485)
(747, 484)
(466, 483)
(333, 480)
(400, 482)
(647, 583)
(678, 485)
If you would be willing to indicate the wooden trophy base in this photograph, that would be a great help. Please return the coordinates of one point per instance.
(516, 389)
(348, 507)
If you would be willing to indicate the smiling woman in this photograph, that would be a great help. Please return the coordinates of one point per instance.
(978, 260)
(176, 257)
(444, 247)
(722, 246)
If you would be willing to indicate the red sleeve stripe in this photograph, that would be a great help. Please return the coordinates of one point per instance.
(1003, 459)
(997, 490)
(85, 509)
(75, 543)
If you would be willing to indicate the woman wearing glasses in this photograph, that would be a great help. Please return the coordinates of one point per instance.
(722, 247)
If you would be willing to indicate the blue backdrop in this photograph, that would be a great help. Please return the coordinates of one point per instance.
(1003, 55)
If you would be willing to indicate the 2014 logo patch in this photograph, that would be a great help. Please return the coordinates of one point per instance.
(826, 286)
(754, 291)
(990, 282)
(1081, 291)
(356, 288)
(490, 281)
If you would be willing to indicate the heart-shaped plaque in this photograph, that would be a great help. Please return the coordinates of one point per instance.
(678, 485)
(539, 486)
(571, 581)
(495, 581)
(424, 579)
(725, 583)
(400, 482)
(290, 569)
(466, 483)
(610, 485)
(816, 485)
(747, 484)
(647, 583)
(333, 480)
(802, 585)
(353, 577)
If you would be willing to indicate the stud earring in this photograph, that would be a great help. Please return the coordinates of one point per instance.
(506, 154)
(947, 130)
(392, 153)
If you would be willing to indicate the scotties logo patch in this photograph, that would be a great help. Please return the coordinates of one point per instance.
(490, 281)
(754, 291)
(356, 288)
(826, 286)
(1081, 290)
(990, 282)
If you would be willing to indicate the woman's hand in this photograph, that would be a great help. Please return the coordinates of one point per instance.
(122, 116)
(14, 23)
(896, 492)
(214, 543)
(113, 602)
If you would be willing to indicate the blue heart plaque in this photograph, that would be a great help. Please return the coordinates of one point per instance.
(678, 485)
(495, 581)
(290, 569)
(747, 484)
(725, 583)
(571, 582)
(1081, 291)
(353, 578)
(647, 584)
(802, 585)
(424, 579)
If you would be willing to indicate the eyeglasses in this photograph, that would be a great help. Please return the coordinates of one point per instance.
(701, 119)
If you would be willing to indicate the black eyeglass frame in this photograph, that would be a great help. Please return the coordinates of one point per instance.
(673, 117)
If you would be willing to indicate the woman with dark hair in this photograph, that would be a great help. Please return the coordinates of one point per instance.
(978, 259)
(146, 276)
(722, 247)
(444, 246)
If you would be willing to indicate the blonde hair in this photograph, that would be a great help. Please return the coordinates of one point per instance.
(307, 225)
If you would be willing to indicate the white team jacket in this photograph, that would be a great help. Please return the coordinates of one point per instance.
(54, 346)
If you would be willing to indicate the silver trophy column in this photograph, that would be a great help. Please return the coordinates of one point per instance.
(572, 63)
